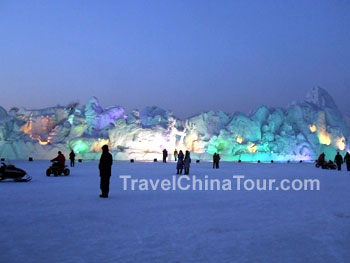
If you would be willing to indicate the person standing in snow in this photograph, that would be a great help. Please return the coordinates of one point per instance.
(347, 161)
(175, 155)
(180, 163)
(60, 159)
(72, 158)
(187, 162)
(165, 155)
(105, 167)
(338, 160)
(216, 160)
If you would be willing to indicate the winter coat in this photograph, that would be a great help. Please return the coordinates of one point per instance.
(180, 161)
(72, 156)
(105, 164)
(347, 158)
(60, 159)
(338, 159)
(187, 162)
(216, 158)
(180, 164)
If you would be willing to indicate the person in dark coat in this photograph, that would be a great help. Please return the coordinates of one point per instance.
(214, 158)
(175, 155)
(60, 159)
(320, 160)
(217, 160)
(105, 167)
(347, 161)
(72, 158)
(165, 155)
(338, 160)
(187, 162)
(180, 162)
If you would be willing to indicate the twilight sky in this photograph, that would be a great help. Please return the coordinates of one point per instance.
(187, 56)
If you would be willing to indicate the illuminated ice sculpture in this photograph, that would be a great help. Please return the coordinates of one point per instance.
(299, 132)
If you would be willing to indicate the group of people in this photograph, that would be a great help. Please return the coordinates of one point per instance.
(61, 159)
(337, 164)
(105, 167)
(183, 162)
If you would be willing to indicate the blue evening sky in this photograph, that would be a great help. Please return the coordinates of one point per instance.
(187, 56)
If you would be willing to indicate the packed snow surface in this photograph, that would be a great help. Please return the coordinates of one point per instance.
(62, 219)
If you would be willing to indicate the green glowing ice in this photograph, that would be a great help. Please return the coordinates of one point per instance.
(80, 147)
(217, 147)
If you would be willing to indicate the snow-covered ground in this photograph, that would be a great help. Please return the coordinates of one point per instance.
(62, 219)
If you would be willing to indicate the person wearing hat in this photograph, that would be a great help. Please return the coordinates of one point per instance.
(105, 167)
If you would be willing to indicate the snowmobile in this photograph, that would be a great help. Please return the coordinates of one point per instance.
(56, 170)
(14, 173)
(329, 166)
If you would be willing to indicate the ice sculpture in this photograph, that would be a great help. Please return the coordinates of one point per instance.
(299, 132)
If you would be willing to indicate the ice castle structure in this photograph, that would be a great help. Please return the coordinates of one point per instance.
(300, 131)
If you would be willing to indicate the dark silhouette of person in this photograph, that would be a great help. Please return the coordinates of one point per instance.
(216, 159)
(347, 161)
(187, 162)
(320, 160)
(60, 159)
(180, 163)
(105, 167)
(165, 155)
(175, 155)
(72, 158)
(338, 160)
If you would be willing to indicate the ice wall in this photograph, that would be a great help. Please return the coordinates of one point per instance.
(300, 131)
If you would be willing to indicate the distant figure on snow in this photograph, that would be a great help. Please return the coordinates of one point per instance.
(338, 160)
(165, 155)
(216, 160)
(347, 161)
(175, 155)
(187, 162)
(105, 167)
(180, 163)
(320, 160)
(60, 159)
(72, 158)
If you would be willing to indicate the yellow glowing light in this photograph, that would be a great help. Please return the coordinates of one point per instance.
(252, 148)
(239, 139)
(39, 126)
(313, 128)
(43, 142)
(341, 144)
(324, 138)
(97, 145)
